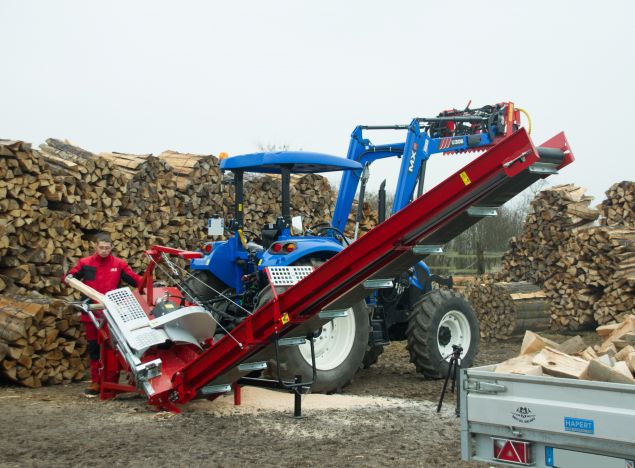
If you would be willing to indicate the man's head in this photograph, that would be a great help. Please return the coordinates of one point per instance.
(103, 245)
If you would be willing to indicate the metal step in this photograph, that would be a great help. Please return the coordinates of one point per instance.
(378, 283)
(214, 389)
(252, 366)
(427, 249)
(482, 211)
(332, 314)
(294, 341)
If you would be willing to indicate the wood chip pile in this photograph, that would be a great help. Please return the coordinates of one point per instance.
(41, 342)
(611, 361)
(586, 271)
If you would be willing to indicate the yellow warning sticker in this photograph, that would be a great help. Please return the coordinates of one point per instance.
(465, 178)
(284, 319)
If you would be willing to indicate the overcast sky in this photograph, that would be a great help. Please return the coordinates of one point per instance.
(206, 77)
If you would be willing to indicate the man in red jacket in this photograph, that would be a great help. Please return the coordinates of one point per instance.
(103, 272)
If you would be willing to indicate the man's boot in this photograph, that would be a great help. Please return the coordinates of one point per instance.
(92, 390)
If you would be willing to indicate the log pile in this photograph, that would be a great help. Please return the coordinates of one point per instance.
(611, 361)
(40, 342)
(546, 254)
(37, 227)
(618, 209)
(370, 219)
(553, 214)
(508, 309)
(53, 201)
(618, 275)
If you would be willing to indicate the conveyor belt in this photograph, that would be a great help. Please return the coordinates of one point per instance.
(435, 217)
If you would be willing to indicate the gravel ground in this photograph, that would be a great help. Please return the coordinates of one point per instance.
(387, 416)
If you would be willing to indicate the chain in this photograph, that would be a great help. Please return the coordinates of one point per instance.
(190, 297)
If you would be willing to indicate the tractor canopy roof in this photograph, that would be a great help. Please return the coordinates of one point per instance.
(297, 161)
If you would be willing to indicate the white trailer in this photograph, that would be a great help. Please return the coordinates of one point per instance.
(542, 421)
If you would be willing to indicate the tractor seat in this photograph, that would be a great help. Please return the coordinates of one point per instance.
(269, 235)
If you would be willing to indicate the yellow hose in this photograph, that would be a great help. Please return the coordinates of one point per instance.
(528, 119)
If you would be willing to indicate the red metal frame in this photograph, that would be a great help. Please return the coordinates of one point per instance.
(182, 376)
(155, 255)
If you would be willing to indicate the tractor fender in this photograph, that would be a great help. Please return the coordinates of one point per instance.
(222, 262)
(319, 247)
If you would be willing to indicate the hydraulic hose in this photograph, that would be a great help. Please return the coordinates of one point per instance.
(528, 119)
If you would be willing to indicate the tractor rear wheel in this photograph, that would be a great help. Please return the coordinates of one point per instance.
(199, 284)
(440, 319)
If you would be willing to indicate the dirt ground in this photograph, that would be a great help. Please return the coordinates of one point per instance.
(387, 416)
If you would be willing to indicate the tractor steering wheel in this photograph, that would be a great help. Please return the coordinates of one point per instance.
(325, 227)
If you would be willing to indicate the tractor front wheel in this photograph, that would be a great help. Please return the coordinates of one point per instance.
(339, 350)
(440, 319)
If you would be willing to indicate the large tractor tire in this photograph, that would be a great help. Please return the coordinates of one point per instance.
(197, 285)
(441, 318)
(339, 351)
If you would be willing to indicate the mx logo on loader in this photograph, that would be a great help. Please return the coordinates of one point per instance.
(413, 154)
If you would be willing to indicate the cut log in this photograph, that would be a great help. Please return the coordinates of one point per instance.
(4, 350)
(519, 365)
(601, 372)
(532, 343)
(627, 326)
(573, 345)
(558, 364)
(622, 355)
(622, 368)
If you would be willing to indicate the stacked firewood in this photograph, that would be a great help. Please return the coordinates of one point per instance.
(507, 309)
(552, 216)
(369, 219)
(545, 254)
(95, 188)
(613, 360)
(195, 173)
(618, 209)
(53, 202)
(35, 236)
(40, 342)
(617, 269)
(586, 271)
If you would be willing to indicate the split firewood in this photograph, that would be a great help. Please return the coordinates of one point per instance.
(587, 272)
(533, 343)
(604, 362)
(618, 209)
(507, 309)
(37, 341)
(520, 365)
(559, 364)
(599, 371)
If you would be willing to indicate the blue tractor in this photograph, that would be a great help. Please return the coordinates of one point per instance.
(230, 282)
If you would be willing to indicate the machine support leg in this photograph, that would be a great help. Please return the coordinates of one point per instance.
(237, 394)
(297, 406)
